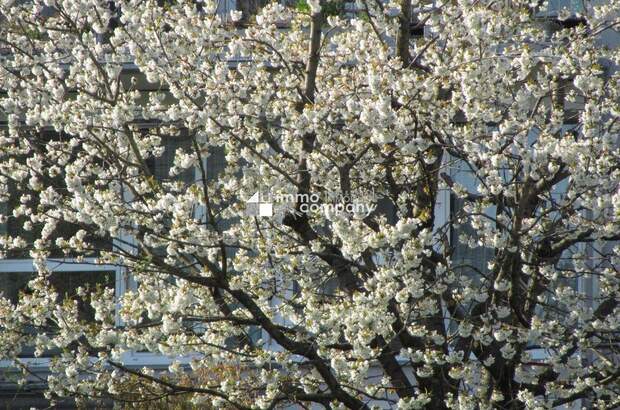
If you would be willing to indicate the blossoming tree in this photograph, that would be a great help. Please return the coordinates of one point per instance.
(313, 308)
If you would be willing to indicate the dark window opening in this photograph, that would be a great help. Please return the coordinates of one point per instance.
(21, 194)
(470, 261)
(15, 284)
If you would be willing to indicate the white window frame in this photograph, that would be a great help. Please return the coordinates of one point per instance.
(26, 266)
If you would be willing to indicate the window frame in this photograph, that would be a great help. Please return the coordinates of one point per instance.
(57, 265)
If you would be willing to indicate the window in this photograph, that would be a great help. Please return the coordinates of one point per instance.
(555, 7)
(66, 276)
(20, 226)
(16, 224)
(113, 23)
(468, 257)
(161, 166)
(67, 272)
(562, 13)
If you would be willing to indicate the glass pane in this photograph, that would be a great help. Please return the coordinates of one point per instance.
(15, 226)
(22, 194)
(160, 167)
(216, 162)
(12, 284)
(216, 165)
(470, 261)
(574, 6)
(65, 283)
(386, 207)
